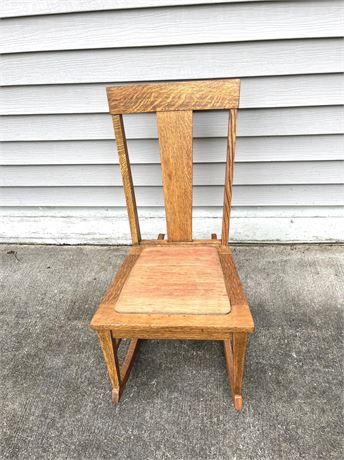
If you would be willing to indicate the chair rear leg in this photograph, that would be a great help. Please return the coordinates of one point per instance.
(235, 351)
(128, 362)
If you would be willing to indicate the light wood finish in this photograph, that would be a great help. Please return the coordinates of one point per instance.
(227, 200)
(175, 139)
(202, 327)
(160, 242)
(235, 351)
(175, 280)
(175, 288)
(118, 375)
(126, 177)
(110, 356)
(117, 283)
(232, 280)
(193, 95)
(187, 327)
(128, 363)
(116, 342)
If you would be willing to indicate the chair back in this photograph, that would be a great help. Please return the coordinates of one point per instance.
(174, 104)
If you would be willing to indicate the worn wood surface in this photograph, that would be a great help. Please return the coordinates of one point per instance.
(111, 361)
(118, 374)
(227, 199)
(235, 351)
(228, 352)
(175, 139)
(127, 178)
(239, 352)
(193, 95)
(128, 362)
(177, 288)
(118, 281)
(205, 327)
(161, 242)
(233, 284)
(175, 280)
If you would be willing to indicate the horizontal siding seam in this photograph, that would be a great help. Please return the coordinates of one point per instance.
(178, 45)
(19, 12)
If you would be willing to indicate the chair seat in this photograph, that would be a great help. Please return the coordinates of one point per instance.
(175, 280)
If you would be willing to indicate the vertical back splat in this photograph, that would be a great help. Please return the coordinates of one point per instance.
(175, 139)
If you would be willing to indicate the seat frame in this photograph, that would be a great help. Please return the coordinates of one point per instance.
(174, 104)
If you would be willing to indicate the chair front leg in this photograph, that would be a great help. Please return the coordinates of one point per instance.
(118, 376)
(109, 347)
(235, 351)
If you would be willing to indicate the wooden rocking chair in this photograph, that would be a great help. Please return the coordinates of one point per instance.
(177, 288)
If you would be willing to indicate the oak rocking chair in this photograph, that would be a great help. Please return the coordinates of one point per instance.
(175, 288)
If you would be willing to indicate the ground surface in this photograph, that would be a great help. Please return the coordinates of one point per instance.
(55, 394)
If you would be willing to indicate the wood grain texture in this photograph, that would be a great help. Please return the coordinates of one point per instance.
(118, 375)
(194, 95)
(128, 362)
(111, 361)
(116, 342)
(160, 242)
(227, 199)
(239, 352)
(174, 280)
(235, 350)
(175, 139)
(233, 284)
(203, 327)
(127, 178)
(229, 361)
(117, 284)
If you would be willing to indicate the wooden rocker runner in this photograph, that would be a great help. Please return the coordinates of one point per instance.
(175, 288)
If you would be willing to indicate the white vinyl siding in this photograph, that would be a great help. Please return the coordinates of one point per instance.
(58, 153)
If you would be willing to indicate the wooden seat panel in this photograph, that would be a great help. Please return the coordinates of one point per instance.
(175, 280)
